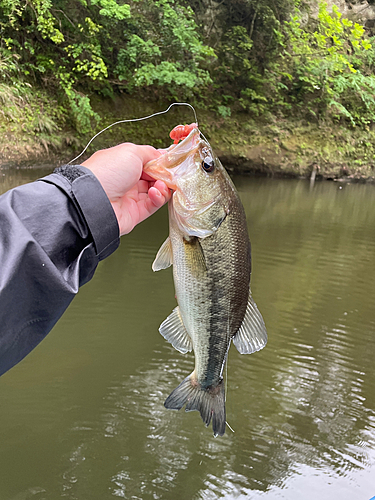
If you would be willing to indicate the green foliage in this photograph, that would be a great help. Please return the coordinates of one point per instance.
(33, 111)
(224, 111)
(247, 45)
(328, 71)
(276, 64)
(82, 113)
(78, 47)
(253, 56)
(235, 55)
(112, 10)
(163, 50)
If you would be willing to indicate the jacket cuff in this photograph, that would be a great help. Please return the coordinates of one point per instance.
(86, 192)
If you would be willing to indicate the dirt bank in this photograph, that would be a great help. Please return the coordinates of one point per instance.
(278, 148)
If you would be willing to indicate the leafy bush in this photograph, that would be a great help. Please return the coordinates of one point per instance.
(163, 49)
(80, 47)
(255, 58)
(327, 71)
(322, 69)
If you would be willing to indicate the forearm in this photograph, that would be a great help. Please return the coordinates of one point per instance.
(53, 234)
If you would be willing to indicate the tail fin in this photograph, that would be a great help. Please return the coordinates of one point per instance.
(209, 402)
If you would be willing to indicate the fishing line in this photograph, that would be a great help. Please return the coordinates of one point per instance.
(226, 386)
(226, 377)
(227, 361)
(137, 120)
(227, 354)
(230, 427)
(226, 389)
(202, 134)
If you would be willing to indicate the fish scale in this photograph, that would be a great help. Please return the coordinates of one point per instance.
(209, 248)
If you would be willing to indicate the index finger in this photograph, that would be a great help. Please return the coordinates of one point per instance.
(147, 153)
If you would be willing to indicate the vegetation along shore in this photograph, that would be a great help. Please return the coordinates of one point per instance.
(281, 87)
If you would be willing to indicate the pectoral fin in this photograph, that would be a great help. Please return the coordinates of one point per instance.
(195, 256)
(175, 332)
(252, 335)
(163, 258)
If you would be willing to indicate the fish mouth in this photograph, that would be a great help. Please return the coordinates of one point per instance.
(166, 166)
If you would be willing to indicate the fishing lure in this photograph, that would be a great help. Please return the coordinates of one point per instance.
(180, 132)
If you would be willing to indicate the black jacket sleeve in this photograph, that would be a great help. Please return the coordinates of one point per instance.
(53, 233)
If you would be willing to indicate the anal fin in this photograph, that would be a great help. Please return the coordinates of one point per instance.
(173, 330)
(252, 335)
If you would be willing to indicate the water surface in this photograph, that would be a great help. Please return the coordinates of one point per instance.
(82, 417)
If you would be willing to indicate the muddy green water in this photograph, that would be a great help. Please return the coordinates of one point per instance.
(82, 417)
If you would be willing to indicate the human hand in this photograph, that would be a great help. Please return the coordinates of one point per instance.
(133, 194)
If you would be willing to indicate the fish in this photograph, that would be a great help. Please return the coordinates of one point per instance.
(209, 248)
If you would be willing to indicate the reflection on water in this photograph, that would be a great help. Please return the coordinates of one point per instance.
(83, 417)
(10, 177)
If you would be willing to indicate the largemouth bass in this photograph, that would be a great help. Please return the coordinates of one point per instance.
(209, 248)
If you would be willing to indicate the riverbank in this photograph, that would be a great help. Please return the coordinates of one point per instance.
(276, 147)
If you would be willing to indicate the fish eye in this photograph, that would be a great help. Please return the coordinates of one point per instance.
(208, 164)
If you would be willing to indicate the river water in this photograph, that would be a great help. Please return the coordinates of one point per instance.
(82, 417)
